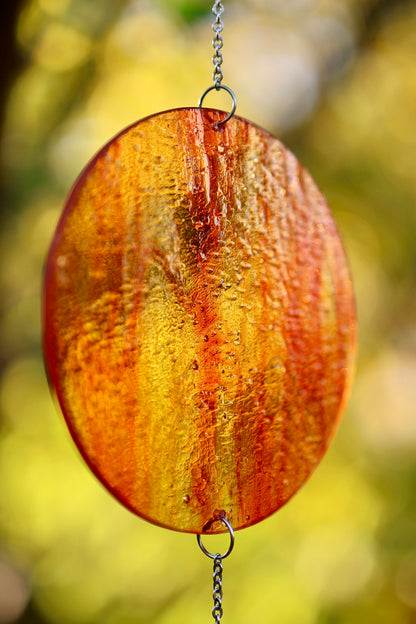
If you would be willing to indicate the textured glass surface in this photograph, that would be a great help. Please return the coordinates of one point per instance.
(199, 320)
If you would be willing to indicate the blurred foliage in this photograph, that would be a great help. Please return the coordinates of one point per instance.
(189, 10)
(336, 80)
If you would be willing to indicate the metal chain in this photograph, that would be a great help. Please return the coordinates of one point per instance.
(217, 43)
(217, 575)
(217, 593)
(218, 59)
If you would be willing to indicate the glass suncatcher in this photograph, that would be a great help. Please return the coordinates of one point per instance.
(199, 320)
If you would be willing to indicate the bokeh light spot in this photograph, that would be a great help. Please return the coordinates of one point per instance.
(62, 48)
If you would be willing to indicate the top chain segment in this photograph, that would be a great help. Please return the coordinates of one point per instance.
(218, 59)
(217, 43)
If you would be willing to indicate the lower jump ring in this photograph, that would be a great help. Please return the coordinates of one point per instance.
(232, 538)
(217, 88)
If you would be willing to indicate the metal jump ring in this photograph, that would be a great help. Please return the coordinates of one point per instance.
(230, 530)
(217, 88)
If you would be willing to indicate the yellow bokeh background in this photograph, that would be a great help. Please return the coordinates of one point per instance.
(336, 81)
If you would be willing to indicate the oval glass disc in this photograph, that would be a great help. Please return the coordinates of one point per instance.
(199, 320)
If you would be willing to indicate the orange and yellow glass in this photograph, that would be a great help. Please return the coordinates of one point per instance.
(199, 320)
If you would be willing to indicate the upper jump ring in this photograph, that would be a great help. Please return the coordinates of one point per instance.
(217, 88)
(231, 546)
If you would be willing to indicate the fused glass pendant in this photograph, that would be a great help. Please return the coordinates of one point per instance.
(199, 320)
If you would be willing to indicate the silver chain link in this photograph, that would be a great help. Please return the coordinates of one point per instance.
(217, 575)
(218, 59)
(217, 43)
(217, 593)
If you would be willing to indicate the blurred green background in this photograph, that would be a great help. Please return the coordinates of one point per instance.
(336, 81)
